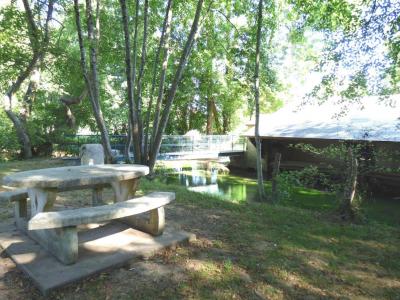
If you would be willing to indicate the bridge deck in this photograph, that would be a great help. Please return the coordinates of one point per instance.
(172, 146)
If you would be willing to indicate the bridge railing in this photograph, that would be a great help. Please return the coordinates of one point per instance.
(170, 143)
(208, 143)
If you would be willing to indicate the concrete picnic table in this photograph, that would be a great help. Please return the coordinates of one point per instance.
(58, 247)
(43, 184)
(57, 231)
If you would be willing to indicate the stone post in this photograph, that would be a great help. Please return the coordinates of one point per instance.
(92, 154)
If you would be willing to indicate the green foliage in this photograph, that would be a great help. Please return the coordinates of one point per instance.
(362, 57)
(220, 69)
(325, 15)
(308, 177)
(372, 158)
(14, 52)
(286, 184)
(8, 139)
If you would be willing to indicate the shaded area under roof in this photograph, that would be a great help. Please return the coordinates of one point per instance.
(369, 119)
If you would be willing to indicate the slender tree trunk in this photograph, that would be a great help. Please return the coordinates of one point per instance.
(22, 134)
(164, 66)
(135, 127)
(260, 180)
(93, 43)
(225, 122)
(166, 25)
(128, 143)
(139, 81)
(68, 101)
(274, 180)
(130, 76)
(347, 209)
(28, 99)
(172, 91)
(209, 116)
(215, 115)
(91, 79)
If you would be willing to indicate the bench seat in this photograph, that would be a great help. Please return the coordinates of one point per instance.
(57, 231)
(14, 195)
(88, 215)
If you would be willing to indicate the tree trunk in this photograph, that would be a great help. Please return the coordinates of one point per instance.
(209, 116)
(28, 100)
(275, 173)
(139, 81)
(225, 122)
(68, 101)
(172, 91)
(348, 209)
(39, 48)
(130, 77)
(135, 127)
(165, 29)
(23, 138)
(260, 180)
(91, 79)
(164, 66)
(93, 42)
(128, 143)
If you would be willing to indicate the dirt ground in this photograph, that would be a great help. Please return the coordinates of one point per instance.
(141, 277)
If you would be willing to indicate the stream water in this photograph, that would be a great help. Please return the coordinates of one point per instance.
(214, 178)
(208, 177)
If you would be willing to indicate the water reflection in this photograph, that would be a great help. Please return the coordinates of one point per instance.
(196, 177)
(210, 182)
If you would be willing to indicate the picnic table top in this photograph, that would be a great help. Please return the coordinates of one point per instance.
(74, 176)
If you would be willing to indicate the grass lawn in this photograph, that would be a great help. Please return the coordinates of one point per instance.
(244, 250)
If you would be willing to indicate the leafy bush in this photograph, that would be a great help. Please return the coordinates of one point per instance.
(9, 146)
(309, 177)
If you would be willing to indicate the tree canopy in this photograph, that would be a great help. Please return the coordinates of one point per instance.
(180, 65)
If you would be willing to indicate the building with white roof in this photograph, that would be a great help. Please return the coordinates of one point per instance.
(372, 121)
(369, 119)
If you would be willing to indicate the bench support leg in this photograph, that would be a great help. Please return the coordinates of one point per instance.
(97, 196)
(60, 242)
(20, 213)
(154, 224)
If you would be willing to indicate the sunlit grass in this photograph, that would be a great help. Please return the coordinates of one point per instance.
(252, 250)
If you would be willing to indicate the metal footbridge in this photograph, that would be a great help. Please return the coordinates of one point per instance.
(172, 146)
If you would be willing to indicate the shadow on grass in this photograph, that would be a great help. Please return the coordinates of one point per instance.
(253, 250)
(312, 255)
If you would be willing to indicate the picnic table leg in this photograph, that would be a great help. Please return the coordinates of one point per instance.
(41, 199)
(124, 189)
(20, 213)
(97, 196)
(61, 242)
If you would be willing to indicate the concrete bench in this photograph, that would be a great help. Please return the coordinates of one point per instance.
(19, 197)
(14, 195)
(57, 231)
